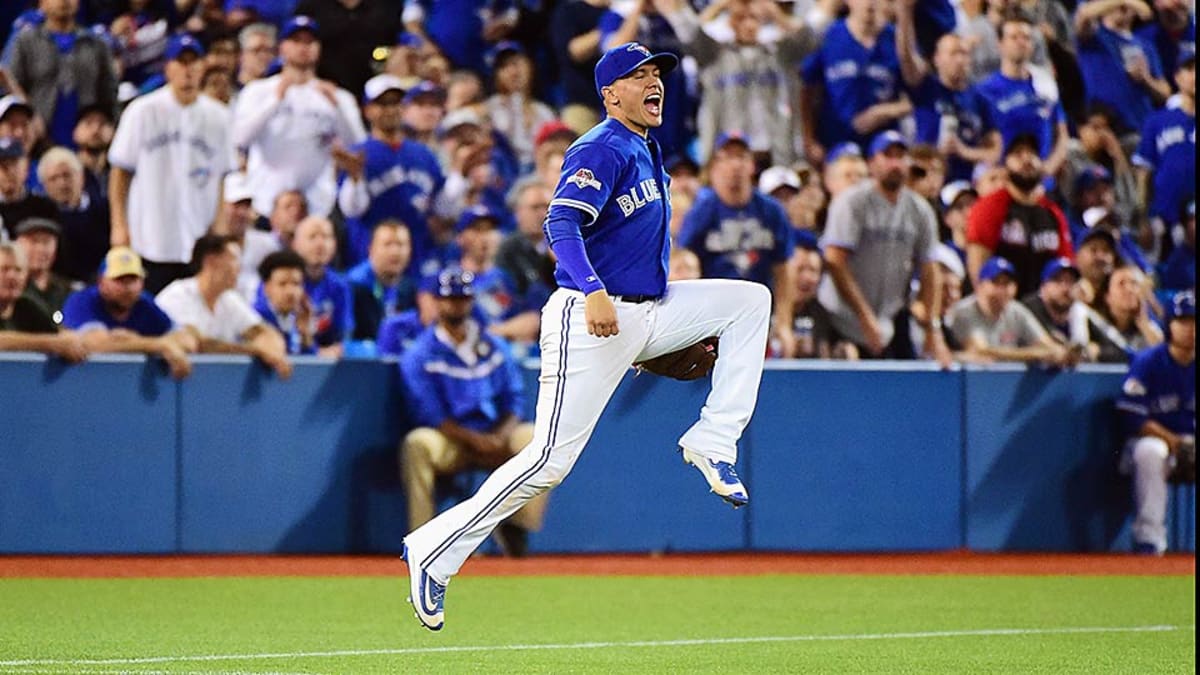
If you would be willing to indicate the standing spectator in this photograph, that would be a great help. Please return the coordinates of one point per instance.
(512, 109)
(1018, 223)
(38, 239)
(878, 234)
(296, 126)
(424, 108)
(328, 292)
(811, 323)
(1158, 411)
(16, 201)
(169, 156)
(851, 87)
(740, 233)
(462, 29)
(83, 219)
(1054, 306)
(1119, 68)
(1179, 271)
(465, 392)
(575, 36)
(63, 68)
(1099, 150)
(1166, 160)
(257, 44)
(352, 30)
(24, 324)
(283, 304)
(844, 168)
(237, 223)
(1121, 323)
(1171, 33)
(92, 135)
(380, 285)
(524, 254)
(397, 180)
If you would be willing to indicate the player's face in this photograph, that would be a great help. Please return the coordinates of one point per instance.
(301, 50)
(951, 59)
(391, 250)
(12, 175)
(12, 279)
(285, 289)
(121, 294)
(637, 98)
(40, 249)
(1056, 292)
(62, 182)
(314, 241)
(184, 74)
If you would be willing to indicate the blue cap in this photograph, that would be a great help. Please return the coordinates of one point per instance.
(455, 282)
(624, 59)
(994, 267)
(11, 148)
(727, 137)
(1057, 265)
(424, 88)
(503, 47)
(297, 24)
(1092, 176)
(1187, 56)
(407, 39)
(1023, 140)
(178, 44)
(1183, 304)
(847, 149)
(806, 239)
(887, 140)
(473, 214)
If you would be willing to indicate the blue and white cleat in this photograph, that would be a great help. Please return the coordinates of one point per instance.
(425, 594)
(721, 477)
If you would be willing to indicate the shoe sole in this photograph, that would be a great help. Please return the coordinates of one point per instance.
(416, 614)
(729, 499)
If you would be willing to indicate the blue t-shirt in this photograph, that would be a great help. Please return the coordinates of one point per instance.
(1169, 46)
(737, 243)
(854, 78)
(66, 105)
(1102, 59)
(439, 385)
(286, 325)
(85, 309)
(616, 178)
(402, 182)
(931, 101)
(332, 308)
(1015, 107)
(1158, 388)
(1168, 149)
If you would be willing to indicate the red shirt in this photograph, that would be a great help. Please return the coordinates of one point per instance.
(1029, 236)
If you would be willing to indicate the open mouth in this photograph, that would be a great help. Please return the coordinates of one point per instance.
(653, 104)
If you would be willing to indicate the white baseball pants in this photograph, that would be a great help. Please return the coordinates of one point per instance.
(1149, 461)
(579, 374)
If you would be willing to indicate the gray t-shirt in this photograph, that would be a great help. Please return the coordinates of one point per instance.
(888, 242)
(1015, 327)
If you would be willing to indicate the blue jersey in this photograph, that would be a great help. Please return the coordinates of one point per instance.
(85, 309)
(456, 26)
(1167, 45)
(496, 297)
(286, 325)
(1103, 59)
(397, 333)
(932, 101)
(1158, 388)
(1168, 149)
(1015, 107)
(332, 308)
(616, 178)
(440, 385)
(854, 78)
(737, 243)
(402, 182)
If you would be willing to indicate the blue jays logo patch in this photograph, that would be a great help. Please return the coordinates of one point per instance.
(584, 178)
(635, 47)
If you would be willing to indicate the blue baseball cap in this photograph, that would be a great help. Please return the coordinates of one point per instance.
(624, 59)
(299, 23)
(424, 88)
(1092, 176)
(727, 137)
(178, 44)
(407, 39)
(1057, 265)
(847, 149)
(994, 267)
(455, 282)
(1182, 305)
(807, 240)
(502, 48)
(885, 140)
(473, 214)
(1187, 57)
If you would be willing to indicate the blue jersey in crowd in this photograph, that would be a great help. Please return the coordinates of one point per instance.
(616, 178)
(1158, 388)
(332, 307)
(456, 26)
(394, 299)
(397, 333)
(737, 243)
(478, 393)
(286, 325)
(1168, 45)
(1015, 107)
(496, 297)
(270, 11)
(1168, 149)
(402, 182)
(854, 78)
(85, 309)
(932, 101)
(1103, 59)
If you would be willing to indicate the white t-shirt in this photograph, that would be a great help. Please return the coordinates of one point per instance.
(289, 141)
(228, 321)
(178, 156)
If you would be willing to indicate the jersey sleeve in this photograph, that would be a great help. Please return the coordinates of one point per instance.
(842, 228)
(123, 151)
(1146, 155)
(984, 221)
(77, 313)
(1134, 402)
(589, 174)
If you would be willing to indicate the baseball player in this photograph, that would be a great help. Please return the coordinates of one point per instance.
(607, 225)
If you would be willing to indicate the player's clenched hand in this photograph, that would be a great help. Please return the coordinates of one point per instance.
(601, 314)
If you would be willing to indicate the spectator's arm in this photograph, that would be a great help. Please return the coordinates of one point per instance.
(931, 297)
(170, 347)
(1152, 428)
(810, 103)
(784, 298)
(880, 114)
(66, 344)
(977, 254)
(1087, 16)
(585, 47)
(252, 114)
(1058, 155)
(912, 66)
(267, 345)
(837, 259)
(1039, 353)
(686, 24)
(987, 152)
(628, 30)
(119, 180)
(524, 327)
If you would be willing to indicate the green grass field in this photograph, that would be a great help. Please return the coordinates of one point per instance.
(766, 624)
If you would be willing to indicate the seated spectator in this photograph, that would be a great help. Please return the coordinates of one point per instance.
(283, 304)
(209, 307)
(85, 231)
(1056, 309)
(117, 315)
(1096, 258)
(991, 326)
(1158, 411)
(16, 201)
(287, 210)
(465, 392)
(683, 265)
(952, 275)
(1104, 218)
(1179, 272)
(815, 337)
(38, 239)
(24, 325)
(332, 306)
(524, 255)
(380, 285)
(1121, 323)
(238, 225)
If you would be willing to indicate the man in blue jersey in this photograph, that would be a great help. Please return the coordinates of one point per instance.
(1166, 161)
(1158, 407)
(1172, 32)
(607, 226)
(1119, 68)
(332, 304)
(283, 304)
(380, 285)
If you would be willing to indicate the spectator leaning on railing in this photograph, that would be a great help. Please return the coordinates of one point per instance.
(24, 325)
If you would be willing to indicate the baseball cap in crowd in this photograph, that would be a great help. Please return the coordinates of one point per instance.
(807, 240)
(299, 23)
(847, 149)
(424, 88)
(553, 129)
(178, 44)
(1098, 233)
(727, 137)
(947, 257)
(1183, 304)
(681, 161)
(1092, 176)
(11, 148)
(887, 140)
(1020, 141)
(95, 109)
(495, 56)
(997, 266)
(458, 118)
(475, 214)
(1095, 215)
(779, 176)
(1057, 265)
(626, 58)
(13, 103)
(1187, 57)
(237, 188)
(30, 225)
(381, 84)
(407, 39)
(955, 189)
(454, 282)
(122, 261)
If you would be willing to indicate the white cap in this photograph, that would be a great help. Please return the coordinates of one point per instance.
(776, 177)
(459, 117)
(1094, 215)
(381, 84)
(952, 191)
(237, 188)
(949, 258)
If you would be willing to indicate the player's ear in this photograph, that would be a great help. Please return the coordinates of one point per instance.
(610, 96)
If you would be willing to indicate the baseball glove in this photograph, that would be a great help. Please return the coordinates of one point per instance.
(689, 363)
(1185, 463)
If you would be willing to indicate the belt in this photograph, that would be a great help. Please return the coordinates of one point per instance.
(637, 298)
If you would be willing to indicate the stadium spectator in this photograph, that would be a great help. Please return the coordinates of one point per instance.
(351, 31)
(380, 285)
(1096, 258)
(524, 254)
(1158, 410)
(328, 292)
(62, 68)
(287, 210)
(92, 135)
(83, 219)
(550, 146)
(911, 323)
(424, 108)
(927, 172)
(575, 37)
(465, 392)
(283, 303)
(1054, 305)
(237, 223)
(1018, 223)
(811, 323)
(957, 198)
(16, 201)
(296, 127)
(844, 168)
(24, 324)
(1166, 161)
(117, 315)
(1171, 33)
(139, 37)
(511, 108)
(1179, 271)
(217, 84)
(1119, 68)
(210, 309)
(683, 265)
(1121, 323)
(173, 137)
(463, 30)
(39, 239)
(257, 44)
(17, 121)
(878, 235)
(1098, 147)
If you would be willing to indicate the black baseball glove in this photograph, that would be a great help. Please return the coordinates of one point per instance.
(1185, 463)
(689, 363)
